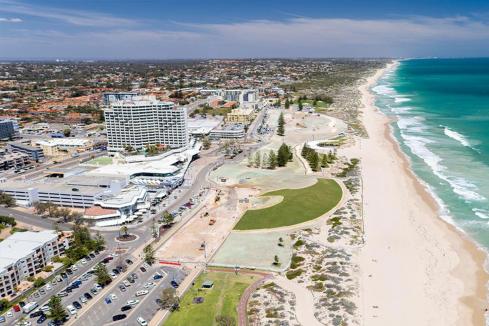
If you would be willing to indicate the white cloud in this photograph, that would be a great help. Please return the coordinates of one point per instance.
(10, 20)
(73, 17)
(297, 37)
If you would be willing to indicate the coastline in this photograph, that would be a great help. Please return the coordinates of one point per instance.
(427, 267)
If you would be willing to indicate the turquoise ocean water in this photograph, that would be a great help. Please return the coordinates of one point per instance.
(441, 111)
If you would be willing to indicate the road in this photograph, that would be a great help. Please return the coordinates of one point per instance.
(31, 219)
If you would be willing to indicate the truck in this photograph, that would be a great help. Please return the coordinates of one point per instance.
(29, 307)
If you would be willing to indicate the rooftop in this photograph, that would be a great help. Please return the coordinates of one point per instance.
(21, 244)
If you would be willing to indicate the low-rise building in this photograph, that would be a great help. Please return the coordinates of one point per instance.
(63, 146)
(234, 131)
(24, 254)
(35, 153)
(244, 116)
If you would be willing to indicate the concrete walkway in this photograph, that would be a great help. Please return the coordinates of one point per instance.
(304, 309)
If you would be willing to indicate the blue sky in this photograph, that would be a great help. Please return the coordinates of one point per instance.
(169, 29)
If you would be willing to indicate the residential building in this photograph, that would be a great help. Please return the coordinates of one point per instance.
(144, 120)
(35, 153)
(24, 254)
(14, 160)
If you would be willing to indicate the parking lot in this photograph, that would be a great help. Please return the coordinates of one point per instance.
(106, 307)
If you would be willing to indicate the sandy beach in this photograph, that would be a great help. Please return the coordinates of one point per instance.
(416, 269)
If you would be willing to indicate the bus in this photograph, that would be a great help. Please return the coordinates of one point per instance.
(29, 307)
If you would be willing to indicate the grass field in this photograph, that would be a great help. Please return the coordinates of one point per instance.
(102, 160)
(297, 206)
(222, 299)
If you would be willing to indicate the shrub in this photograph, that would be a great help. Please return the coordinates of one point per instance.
(294, 273)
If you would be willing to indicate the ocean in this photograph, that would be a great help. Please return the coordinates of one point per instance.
(440, 111)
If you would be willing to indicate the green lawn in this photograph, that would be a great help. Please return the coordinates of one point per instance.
(102, 160)
(298, 205)
(222, 299)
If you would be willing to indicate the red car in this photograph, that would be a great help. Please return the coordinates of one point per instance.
(16, 308)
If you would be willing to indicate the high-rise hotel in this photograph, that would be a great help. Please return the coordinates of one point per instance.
(143, 120)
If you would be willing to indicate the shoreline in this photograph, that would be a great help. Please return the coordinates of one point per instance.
(461, 261)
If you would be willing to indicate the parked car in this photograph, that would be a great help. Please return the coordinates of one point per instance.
(141, 293)
(174, 284)
(142, 269)
(157, 276)
(141, 321)
(129, 262)
(36, 314)
(118, 317)
(126, 308)
(87, 295)
(41, 319)
(133, 302)
(122, 287)
(77, 305)
(71, 309)
(126, 283)
(134, 276)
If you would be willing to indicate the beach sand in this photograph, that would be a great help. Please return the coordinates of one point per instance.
(416, 269)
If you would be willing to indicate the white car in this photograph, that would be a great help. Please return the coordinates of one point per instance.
(45, 308)
(141, 292)
(10, 314)
(141, 321)
(149, 285)
(72, 310)
(83, 261)
(132, 302)
(48, 287)
(112, 296)
(83, 299)
(126, 283)
(112, 274)
(74, 268)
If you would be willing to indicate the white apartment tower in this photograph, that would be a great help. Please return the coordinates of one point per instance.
(143, 120)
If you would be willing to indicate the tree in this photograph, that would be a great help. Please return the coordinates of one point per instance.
(223, 320)
(169, 298)
(7, 200)
(300, 104)
(56, 310)
(149, 254)
(99, 242)
(128, 148)
(123, 230)
(283, 155)
(257, 159)
(38, 282)
(287, 104)
(314, 161)
(264, 161)
(272, 160)
(103, 277)
(67, 132)
(324, 161)
(167, 218)
(281, 125)
(206, 143)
